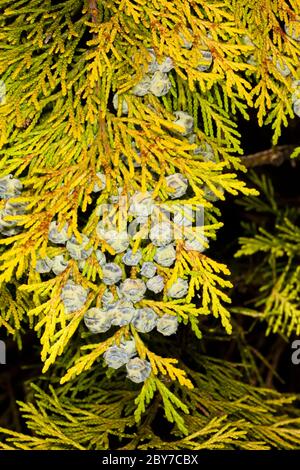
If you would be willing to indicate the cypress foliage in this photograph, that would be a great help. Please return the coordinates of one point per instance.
(120, 144)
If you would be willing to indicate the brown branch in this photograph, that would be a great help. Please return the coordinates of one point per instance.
(274, 156)
(278, 349)
(145, 428)
(93, 10)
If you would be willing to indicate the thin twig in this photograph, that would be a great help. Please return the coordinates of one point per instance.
(278, 349)
(93, 10)
(274, 156)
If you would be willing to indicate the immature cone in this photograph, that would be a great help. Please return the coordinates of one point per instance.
(4, 223)
(8, 227)
(145, 320)
(186, 43)
(107, 298)
(44, 265)
(153, 64)
(194, 241)
(114, 198)
(178, 183)
(73, 296)
(205, 60)
(155, 284)
(100, 183)
(179, 289)
(115, 357)
(118, 240)
(160, 84)
(10, 187)
(141, 204)
(15, 207)
(122, 312)
(166, 65)
(112, 273)
(97, 320)
(296, 90)
(124, 105)
(292, 29)
(101, 258)
(282, 68)
(184, 216)
(139, 225)
(133, 289)
(138, 370)
(165, 255)
(132, 259)
(296, 97)
(59, 264)
(148, 269)
(184, 120)
(79, 251)
(204, 149)
(142, 88)
(167, 325)
(58, 236)
(161, 234)
(296, 107)
(129, 347)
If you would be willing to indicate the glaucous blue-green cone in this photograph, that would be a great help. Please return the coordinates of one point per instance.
(133, 289)
(142, 88)
(118, 240)
(178, 183)
(101, 258)
(115, 357)
(148, 269)
(107, 298)
(79, 251)
(153, 64)
(179, 289)
(58, 236)
(145, 320)
(167, 325)
(122, 312)
(129, 346)
(97, 320)
(73, 296)
(185, 42)
(166, 65)
(132, 259)
(100, 182)
(138, 370)
(165, 255)
(7, 227)
(184, 120)
(161, 234)
(160, 84)
(155, 284)
(124, 104)
(59, 264)
(194, 241)
(206, 60)
(112, 273)
(10, 186)
(292, 29)
(183, 216)
(296, 90)
(141, 204)
(44, 265)
(296, 107)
